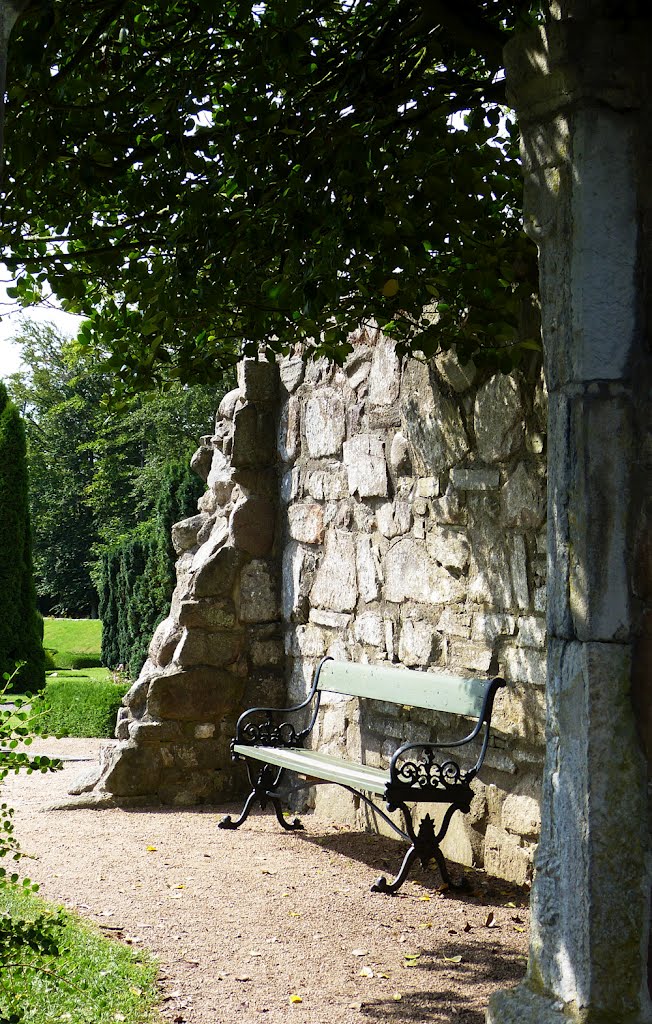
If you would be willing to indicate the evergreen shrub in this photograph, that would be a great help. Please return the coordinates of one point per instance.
(78, 706)
(137, 577)
(21, 625)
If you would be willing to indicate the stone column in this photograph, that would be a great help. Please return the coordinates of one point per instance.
(581, 88)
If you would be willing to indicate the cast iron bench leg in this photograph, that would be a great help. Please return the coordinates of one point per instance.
(264, 786)
(425, 846)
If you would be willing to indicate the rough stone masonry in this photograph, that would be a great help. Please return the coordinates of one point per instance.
(386, 510)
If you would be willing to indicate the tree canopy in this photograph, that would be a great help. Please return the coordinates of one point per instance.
(196, 177)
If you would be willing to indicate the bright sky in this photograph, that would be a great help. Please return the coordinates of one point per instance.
(10, 326)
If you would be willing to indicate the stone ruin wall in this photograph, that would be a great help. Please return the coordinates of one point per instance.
(379, 511)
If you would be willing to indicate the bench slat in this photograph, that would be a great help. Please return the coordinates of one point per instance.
(436, 691)
(320, 766)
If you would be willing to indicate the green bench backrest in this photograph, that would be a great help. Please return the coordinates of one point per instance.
(436, 691)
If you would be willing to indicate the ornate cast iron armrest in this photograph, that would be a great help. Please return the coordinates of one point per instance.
(431, 774)
(268, 726)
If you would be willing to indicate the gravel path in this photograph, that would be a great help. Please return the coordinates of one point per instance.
(243, 921)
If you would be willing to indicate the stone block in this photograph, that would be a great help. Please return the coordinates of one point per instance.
(521, 815)
(394, 519)
(524, 665)
(207, 614)
(298, 570)
(454, 623)
(196, 695)
(478, 478)
(384, 377)
(259, 599)
(252, 525)
(324, 423)
(448, 547)
(488, 626)
(520, 714)
(164, 641)
(498, 418)
(184, 534)
(254, 438)
(327, 485)
(215, 577)
(531, 631)
(227, 407)
(200, 462)
(130, 769)
(522, 500)
(291, 372)
(332, 620)
(471, 656)
(418, 643)
(506, 857)
(306, 523)
(258, 380)
(289, 489)
(308, 641)
(364, 458)
(335, 585)
(358, 366)
(369, 629)
(400, 459)
(289, 430)
(199, 647)
(428, 487)
(431, 422)
(459, 376)
(410, 574)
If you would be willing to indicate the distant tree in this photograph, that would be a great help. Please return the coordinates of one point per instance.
(21, 626)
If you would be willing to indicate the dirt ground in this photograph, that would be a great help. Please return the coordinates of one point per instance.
(263, 925)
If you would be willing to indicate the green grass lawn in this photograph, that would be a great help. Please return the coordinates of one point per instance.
(80, 636)
(94, 980)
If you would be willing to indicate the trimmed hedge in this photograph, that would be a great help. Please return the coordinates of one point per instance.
(70, 659)
(79, 706)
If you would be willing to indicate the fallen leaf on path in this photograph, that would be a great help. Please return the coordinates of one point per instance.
(359, 952)
(491, 921)
(453, 959)
(366, 972)
(294, 998)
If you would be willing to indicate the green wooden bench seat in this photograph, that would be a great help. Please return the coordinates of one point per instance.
(271, 744)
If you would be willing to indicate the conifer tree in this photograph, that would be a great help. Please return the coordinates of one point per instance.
(21, 626)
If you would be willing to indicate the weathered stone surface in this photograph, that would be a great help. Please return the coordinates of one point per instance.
(220, 477)
(520, 713)
(448, 547)
(184, 534)
(209, 613)
(506, 857)
(308, 641)
(258, 380)
(428, 487)
(366, 569)
(333, 620)
(410, 574)
(327, 485)
(478, 478)
(259, 598)
(532, 631)
(475, 657)
(226, 408)
(306, 523)
(394, 519)
(335, 582)
(267, 653)
(215, 577)
(498, 569)
(431, 422)
(289, 430)
(129, 769)
(454, 623)
(418, 643)
(384, 379)
(289, 489)
(521, 815)
(358, 365)
(400, 459)
(291, 372)
(252, 525)
(325, 423)
(498, 418)
(197, 695)
(200, 463)
(370, 629)
(522, 500)
(458, 376)
(364, 458)
(488, 626)
(524, 664)
(299, 565)
(200, 647)
(254, 438)
(164, 642)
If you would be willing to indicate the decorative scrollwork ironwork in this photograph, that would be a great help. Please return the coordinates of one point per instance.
(270, 734)
(427, 773)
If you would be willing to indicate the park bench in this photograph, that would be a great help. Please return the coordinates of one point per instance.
(418, 773)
